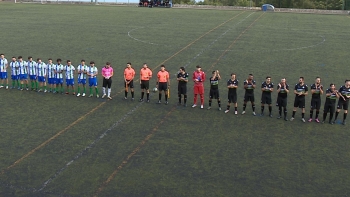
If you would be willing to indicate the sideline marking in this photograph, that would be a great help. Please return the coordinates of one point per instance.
(144, 141)
(98, 106)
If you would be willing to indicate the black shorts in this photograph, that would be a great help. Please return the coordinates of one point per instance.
(214, 94)
(162, 86)
(232, 98)
(107, 82)
(145, 84)
(343, 104)
(266, 98)
(329, 107)
(282, 102)
(299, 101)
(131, 83)
(315, 103)
(182, 89)
(249, 97)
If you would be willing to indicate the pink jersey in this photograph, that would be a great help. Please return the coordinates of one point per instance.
(107, 72)
(200, 76)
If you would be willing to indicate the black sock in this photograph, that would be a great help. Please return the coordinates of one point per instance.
(270, 109)
(185, 98)
(317, 112)
(160, 96)
(166, 97)
(235, 108)
(285, 112)
(126, 94)
(132, 94)
(344, 116)
(262, 108)
(228, 107)
(147, 96)
(302, 115)
(324, 116)
(330, 117)
(244, 106)
(336, 115)
(311, 113)
(253, 107)
(179, 95)
(219, 103)
(142, 94)
(209, 102)
(280, 110)
(293, 114)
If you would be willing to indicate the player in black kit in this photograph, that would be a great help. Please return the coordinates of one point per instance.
(249, 86)
(300, 91)
(182, 78)
(214, 88)
(232, 85)
(343, 102)
(282, 90)
(316, 91)
(329, 105)
(266, 88)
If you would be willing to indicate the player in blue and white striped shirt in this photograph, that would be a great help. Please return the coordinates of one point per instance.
(41, 72)
(51, 76)
(92, 73)
(32, 73)
(70, 71)
(14, 73)
(3, 71)
(59, 75)
(23, 72)
(82, 70)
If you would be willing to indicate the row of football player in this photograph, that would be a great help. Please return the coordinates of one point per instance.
(164, 84)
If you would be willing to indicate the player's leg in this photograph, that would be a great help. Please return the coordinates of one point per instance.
(269, 102)
(245, 103)
(326, 109)
(313, 105)
(7, 81)
(211, 95)
(109, 85)
(184, 92)
(67, 84)
(346, 105)
(104, 85)
(131, 86)
(218, 99)
(296, 105)
(147, 89)
(179, 94)
(79, 84)
(201, 94)
(195, 93)
(339, 107)
(318, 106)
(126, 85)
(96, 88)
(72, 85)
(160, 89)
(302, 106)
(331, 113)
(253, 104)
(284, 105)
(166, 93)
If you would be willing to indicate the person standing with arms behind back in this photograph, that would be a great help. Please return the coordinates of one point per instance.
(198, 79)
(249, 86)
(214, 88)
(163, 83)
(329, 105)
(232, 85)
(145, 76)
(300, 91)
(129, 75)
(107, 73)
(343, 102)
(182, 78)
(282, 90)
(316, 91)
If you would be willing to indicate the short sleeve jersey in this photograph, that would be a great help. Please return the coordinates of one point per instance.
(301, 89)
(214, 83)
(59, 69)
(332, 98)
(317, 89)
(163, 76)
(92, 70)
(250, 88)
(129, 73)
(69, 71)
(267, 87)
(145, 74)
(50, 70)
(344, 91)
(32, 67)
(3, 63)
(283, 92)
(82, 70)
(184, 75)
(232, 82)
(14, 68)
(41, 69)
(23, 68)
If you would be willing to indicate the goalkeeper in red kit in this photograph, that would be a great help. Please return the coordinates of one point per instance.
(198, 79)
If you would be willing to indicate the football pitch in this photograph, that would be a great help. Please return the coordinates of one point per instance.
(62, 145)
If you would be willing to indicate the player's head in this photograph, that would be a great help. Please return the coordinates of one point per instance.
(162, 67)
(283, 80)
(128, 65)
(59, 61)
(182, 69)
(301, 80)
(318, 80)
(347, 83)
(233, 76)
(213, 72)
(250, 77)
(92, 63)
(332, 86)
(268, 79)
(144, 66)
(13, 59)
(108, 64)
(82, 62)
(38, 60)
(50, 60)
(198, 68)
(20, 58)
(30, 58)
(69, 62)
(2, 55)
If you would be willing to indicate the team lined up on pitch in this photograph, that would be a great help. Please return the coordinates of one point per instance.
(39, 72)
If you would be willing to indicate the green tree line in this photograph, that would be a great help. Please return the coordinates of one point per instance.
(303, 4)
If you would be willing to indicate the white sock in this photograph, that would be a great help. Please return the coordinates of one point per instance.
(104, 90)
(109, 91)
